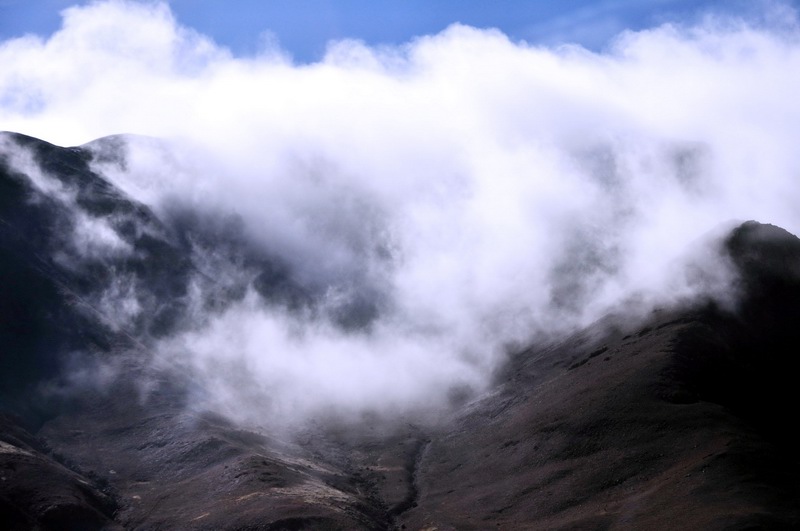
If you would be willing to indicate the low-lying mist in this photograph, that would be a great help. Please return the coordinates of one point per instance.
(433, 204)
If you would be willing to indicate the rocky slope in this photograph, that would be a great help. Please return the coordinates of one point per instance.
(680, 419)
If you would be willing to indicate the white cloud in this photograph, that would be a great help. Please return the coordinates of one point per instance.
(486, 190)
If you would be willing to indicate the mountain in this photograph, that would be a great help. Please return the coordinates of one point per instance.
(681, 418)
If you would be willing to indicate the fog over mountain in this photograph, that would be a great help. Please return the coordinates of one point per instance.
(460, 283)
(423, 209)
(129, 401)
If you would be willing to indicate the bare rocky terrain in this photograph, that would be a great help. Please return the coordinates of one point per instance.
(681, 419)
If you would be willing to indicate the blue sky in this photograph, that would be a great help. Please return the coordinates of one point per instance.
(303, 27)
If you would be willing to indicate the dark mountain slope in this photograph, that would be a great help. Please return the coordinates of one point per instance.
(38, 492)
(54, 271)
(681, 421)
(140, 448)
(87, 270)
(40, 319)
(684, 423)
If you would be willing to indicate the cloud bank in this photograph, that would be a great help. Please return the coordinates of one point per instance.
(470, 192)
